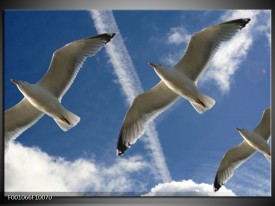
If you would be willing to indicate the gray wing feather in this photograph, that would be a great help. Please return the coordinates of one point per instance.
(67, 61)
(18, 119)
(144, 108)
(203, 45)
(263, 128)
(232, 159)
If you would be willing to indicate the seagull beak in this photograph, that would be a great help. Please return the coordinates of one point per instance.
(152, 65)
(15, 81)
(238, 129)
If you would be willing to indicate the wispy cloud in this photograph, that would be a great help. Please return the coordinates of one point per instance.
(187, 188)
(129, 81)
(230, 56)
(253, 178)
(32, 170)
(178, 35)
(264, 25)
(177, 38)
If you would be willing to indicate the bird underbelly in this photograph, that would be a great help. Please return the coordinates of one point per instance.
(45, 103)
(262, 147)
(187, 91)
(259, 144)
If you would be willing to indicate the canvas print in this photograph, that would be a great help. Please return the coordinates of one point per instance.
(137, 103)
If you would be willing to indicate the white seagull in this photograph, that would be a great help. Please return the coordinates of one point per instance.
(45, 96)
(180, 81)
(253, 141)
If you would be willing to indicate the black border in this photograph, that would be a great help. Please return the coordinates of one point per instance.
(131, 5)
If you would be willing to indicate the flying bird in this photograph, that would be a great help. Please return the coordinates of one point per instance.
(253, 141)
(257, 142)
(44, 97)
(180, 81)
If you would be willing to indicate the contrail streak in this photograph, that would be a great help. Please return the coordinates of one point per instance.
(131, 85)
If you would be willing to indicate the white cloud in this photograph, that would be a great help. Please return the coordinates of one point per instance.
(264, 25)
(178, 38)
(178, 35)
(170, 59)
(226, 61)
(131, 85)
(187, 188)
(229, 57)
(32, 170)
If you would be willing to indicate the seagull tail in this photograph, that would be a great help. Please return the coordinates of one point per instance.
(203, 103)
(67, 121)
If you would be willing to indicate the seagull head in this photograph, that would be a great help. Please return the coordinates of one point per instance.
(15, 81)
(156, 66)
(152, 65)
(160, 70)
(19, 83)
(242, 132)
(239, 129)
(23, 86)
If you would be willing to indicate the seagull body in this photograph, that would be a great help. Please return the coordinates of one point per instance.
(45, 96)
(182, 85)
(236, 156)
(47, 103)
(179, 81)
(256, 141)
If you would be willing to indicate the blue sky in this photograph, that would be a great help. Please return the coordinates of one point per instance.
(182, 149)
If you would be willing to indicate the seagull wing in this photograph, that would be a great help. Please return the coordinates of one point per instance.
(19, 118)
(204, 44)
(232, 159)
(144, 108)
(67, 61)
(263, 128)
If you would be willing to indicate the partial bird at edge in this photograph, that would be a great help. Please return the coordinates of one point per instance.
(236, 156)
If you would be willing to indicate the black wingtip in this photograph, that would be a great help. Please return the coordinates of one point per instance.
(104, 36)
(108, 36)
(216, 188)
(119, 153)
(244, 22)
(217, 185)
(241, 22)
(121, 146)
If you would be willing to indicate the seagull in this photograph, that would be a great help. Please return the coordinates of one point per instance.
(180, 81)
(257, 142)
(44, 97)
(253, 141)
